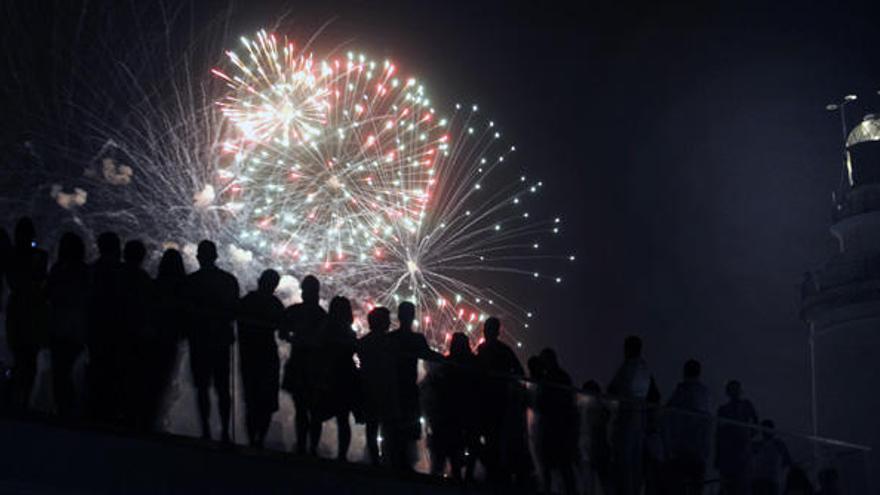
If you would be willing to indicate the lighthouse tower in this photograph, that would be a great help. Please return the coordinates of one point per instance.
(841, 303)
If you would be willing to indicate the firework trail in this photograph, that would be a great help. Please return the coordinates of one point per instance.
(336, 165)
(342, 167)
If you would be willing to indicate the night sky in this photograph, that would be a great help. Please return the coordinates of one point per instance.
(686, 147)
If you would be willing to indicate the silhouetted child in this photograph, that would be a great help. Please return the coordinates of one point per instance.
(212, 298)
(333, 373)
(557, 423)
(733, 440)
(301, 324)
(259, 318)
(378, 379)
(686, 432)
(454, 436)
(136, 337)
(105, 320)
(68, 291)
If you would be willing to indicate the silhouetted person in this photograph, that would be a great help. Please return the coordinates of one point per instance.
(465, 384)
(733, 440)
(631, 385)
(655, 451)
(302, 322)
(259, 318)
(105, 323)
(169, 320)
(434, 416)
(686, 430)
(409, 347)
(557, 422)
(770, 461)
(26, 314)
(503, 407)
(453, 389)
(494, 355)
(68, 291)
(136, 337)
(333, 373)
(212, 296)
(535, 367)
(594, 447)
(378, 377)
(5, 262)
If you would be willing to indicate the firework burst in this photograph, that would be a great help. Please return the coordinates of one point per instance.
(341, 167)
(338, 166)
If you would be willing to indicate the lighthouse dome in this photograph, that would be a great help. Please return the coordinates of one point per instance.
(868, 130)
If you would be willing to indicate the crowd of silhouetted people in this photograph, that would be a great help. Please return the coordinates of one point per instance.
(478, 406)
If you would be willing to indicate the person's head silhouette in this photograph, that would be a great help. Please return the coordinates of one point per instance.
(109, 246)
(632, 347)
(25, 234)
(491, 329)
(548, 357)
(171, 264)
(340, 311)
(134, 253)
(268, 282)
(71, 248)
(310, 289)
(406, 314)
(206, 254)
(460, 345)
(692, 369)
(379, 319)
(733, 390)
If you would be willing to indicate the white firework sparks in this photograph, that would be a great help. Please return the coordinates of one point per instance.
(334, 166)
(342, 168)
